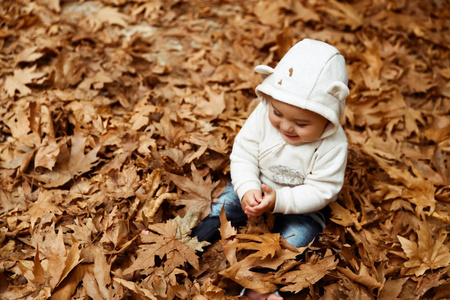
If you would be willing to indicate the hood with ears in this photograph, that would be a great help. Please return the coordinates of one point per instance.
(313, 76)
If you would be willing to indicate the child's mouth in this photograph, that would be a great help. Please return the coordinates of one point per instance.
(289, 136)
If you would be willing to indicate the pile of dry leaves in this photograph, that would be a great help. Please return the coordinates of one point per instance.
(118, 116)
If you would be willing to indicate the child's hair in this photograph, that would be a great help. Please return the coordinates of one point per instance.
(264, 97)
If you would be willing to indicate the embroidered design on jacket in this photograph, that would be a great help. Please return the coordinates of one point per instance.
(286, 176)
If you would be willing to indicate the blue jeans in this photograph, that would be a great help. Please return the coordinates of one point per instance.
(300, 230)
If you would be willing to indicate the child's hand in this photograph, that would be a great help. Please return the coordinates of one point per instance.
(267, 203)
(251, 198)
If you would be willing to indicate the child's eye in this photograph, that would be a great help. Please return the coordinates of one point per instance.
(276, 113)
(301, 124)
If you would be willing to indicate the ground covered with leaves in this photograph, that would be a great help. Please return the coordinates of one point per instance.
(118, 116)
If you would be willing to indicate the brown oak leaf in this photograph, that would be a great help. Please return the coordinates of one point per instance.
(428, 253)
(20, 79)
(198, 190)
(170, 243)
(70, 164)
(307, 274)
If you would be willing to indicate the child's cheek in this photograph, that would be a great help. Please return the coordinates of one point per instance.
(274, 120)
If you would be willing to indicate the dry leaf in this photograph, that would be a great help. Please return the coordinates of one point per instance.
(70, 165)
(307, 274)
(29, 54)
(199, 191)
(364, 276)
(107, 15)
(345, 13)
(427, 253)
(166, 241)
(20, 79)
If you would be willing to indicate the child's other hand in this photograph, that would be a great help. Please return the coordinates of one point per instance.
(251, 198)
(267, 203)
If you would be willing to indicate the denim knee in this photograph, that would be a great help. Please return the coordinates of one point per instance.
(232, 204)
(299, 230)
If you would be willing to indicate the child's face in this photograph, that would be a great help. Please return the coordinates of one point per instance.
(295, 125)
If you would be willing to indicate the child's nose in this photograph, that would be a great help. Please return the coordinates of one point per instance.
(286, 126)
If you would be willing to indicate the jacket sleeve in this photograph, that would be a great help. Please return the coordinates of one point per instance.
(244, 166)
(320, 187)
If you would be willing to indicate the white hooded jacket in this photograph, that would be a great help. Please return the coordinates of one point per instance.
(306, 177)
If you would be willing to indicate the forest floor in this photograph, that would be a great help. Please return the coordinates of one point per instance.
(118, 116)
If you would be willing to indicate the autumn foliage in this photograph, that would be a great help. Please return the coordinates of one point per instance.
(118, 116)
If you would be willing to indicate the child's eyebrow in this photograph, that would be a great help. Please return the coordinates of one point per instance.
(296, 120)
(303, 120)
(271, 103)
(274, 108)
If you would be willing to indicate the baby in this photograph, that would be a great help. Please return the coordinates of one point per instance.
(289, 158)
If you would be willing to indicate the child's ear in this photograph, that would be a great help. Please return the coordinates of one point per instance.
(338, 90)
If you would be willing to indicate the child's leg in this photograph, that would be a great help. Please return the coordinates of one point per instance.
(208, 229)
(299, 230)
